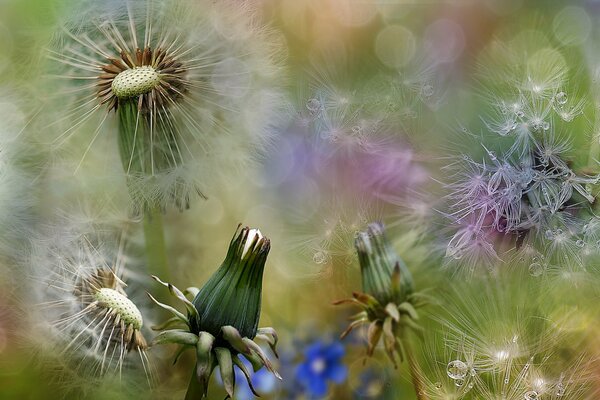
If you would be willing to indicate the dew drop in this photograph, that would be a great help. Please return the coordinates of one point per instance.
(457, 370)
(313, 105)
(531, 395)
(320, 257)
(561, 98)
(560, 389)
(459, 382)
(427, 91)
(438, 385)
(536, 269)
(549, 234)
(580, 243)
(520, 114)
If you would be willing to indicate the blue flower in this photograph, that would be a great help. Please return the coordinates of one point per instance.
(322, 363)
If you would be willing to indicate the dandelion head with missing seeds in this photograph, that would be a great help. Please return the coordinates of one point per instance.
(93, 328)
(188, 88)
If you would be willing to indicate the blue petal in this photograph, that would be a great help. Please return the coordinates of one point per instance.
(314, 350)
(337, 373)
(317, 387)
(304, 373)
(335, 351)
(264, 381)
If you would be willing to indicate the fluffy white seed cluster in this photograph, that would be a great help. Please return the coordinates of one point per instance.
(526, 193)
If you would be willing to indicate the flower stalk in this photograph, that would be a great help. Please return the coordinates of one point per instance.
(156, 250)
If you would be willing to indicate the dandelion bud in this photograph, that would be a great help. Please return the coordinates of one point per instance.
(232, 296)
(388, 304)
(222, 320)
(380, 266)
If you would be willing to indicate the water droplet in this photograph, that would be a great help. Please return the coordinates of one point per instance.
(549, 234)
(560, 389)
(531, 395)
(457, 369)
(472, 372)
(536, 269)
(558, 232)
(438, 385)
(520, 114)
(580, 243)
(320, 257)
(427, 91)
(545, 125)
(560, 98)
(459, 382)
(313, 105)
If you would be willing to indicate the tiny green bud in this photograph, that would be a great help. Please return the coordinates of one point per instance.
(378, 263)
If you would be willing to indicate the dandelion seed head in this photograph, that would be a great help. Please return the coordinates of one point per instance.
(196, 86)
(93, 325)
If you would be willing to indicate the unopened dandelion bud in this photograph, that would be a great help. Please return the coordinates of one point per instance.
(378, 262)
(389, 304)
(232, 296)
(224, 315)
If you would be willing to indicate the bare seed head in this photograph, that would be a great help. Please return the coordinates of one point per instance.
(135, 82)
(121, 305)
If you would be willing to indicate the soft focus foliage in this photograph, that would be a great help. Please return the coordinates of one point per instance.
(135, 135)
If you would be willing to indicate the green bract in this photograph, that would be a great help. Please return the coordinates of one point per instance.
(222, 320)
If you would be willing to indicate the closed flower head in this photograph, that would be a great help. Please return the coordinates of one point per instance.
(389, 302)
(222, 320)
(377, 264)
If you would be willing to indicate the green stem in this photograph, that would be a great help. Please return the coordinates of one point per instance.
(594, 151)
(195, 391)
(156, 251)
(415, 369)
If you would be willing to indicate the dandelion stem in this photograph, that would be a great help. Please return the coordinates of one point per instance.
(195, 390)
(156, 251)
(594, 151)
(415, 369)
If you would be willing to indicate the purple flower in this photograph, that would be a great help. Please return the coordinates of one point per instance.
(322, 363)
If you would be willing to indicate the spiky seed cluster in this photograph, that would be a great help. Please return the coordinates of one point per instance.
(389, 303)
(498, 343)
(529, 194)
(221, 322)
